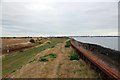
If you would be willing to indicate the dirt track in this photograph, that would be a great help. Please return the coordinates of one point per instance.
(59, 67)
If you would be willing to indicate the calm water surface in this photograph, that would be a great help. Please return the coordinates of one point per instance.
(109, 42)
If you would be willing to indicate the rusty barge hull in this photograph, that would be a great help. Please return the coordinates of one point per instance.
(111, 73)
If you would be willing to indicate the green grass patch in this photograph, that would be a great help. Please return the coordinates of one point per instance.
(52, 46)
(48, 42)
(13, 71)
(68, 44)
(14, 61)
(74, 56)
(52, 55)
(46, 57)
(43, 59)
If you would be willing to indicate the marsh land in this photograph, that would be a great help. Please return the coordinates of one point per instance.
(43, 58)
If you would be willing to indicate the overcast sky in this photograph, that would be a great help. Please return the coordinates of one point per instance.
(59, 17)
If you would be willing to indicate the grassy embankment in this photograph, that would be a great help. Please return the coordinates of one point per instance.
(73, 66)
(11, 63)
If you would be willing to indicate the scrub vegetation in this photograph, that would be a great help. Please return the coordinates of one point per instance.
(54, 58)
(68, 44)
(14, 61)
(43, 60)
(74, 56)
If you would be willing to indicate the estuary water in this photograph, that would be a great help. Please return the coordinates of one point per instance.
(109, 42)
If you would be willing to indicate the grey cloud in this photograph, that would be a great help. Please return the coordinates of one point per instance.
(59, 18)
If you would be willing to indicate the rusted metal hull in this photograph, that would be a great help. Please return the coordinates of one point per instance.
(111, 73)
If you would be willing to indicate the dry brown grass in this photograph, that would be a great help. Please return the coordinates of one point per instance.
(13, 41)
(59, 67)
(11, 63)
(17, 44)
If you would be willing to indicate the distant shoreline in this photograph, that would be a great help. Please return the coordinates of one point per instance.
(94, 36)
(54, 36)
